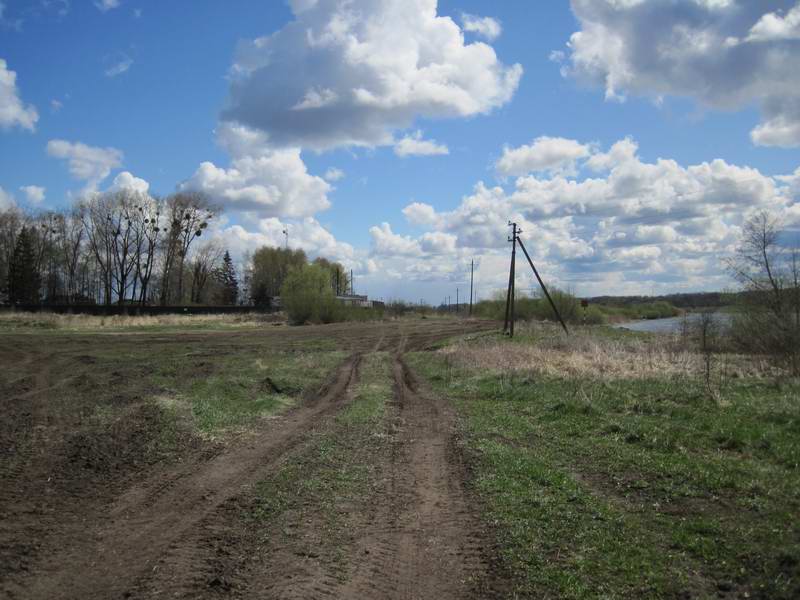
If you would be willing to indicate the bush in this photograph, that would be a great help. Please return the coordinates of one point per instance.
(306, 295)
(757, 329)
(657, 310)
(532, 309)
(595, 316)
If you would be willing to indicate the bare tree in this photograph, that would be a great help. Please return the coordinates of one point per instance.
(188, 215)
(768, 269)
(11, 222)
(145, 220)
(109, 224)
(206, 260)
(757, 259)
(70, 236)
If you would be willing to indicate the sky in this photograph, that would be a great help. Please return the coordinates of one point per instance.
(630, 139)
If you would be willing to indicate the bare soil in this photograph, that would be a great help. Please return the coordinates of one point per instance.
(422, 538)
(123, 514)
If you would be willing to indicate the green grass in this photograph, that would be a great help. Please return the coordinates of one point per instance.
(238, 389)
(212, 387)
(634, 488)
(318, 485)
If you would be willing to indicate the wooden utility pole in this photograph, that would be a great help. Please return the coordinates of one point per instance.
(510, 294)
(509, 322)
(471, 280)
(458, 310)
(352, 287)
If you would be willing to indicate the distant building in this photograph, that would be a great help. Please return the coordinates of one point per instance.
(355, 300)
(274, 302)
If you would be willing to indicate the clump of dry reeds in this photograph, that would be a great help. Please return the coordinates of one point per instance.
(585, 354)
(45, 320)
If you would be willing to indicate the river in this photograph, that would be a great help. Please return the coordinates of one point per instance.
(671, 324)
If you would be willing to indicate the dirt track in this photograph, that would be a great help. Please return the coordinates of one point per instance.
(143, 528)
(423, 540)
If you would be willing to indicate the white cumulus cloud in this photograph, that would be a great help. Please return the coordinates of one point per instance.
(276, 184)
(544, 154)
(486, 27)
(87, 163)
(350, 72)
(614, 223)
(268, 182)
(415, 145)
(127, 181)
(419, 213)
(726, 55)
(34, 194)
(387, 243)
(333, 174)
(773, 27)
(13, 111)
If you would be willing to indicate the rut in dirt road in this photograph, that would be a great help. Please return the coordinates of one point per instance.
(416, 536)
(124, 546)
(426, 540)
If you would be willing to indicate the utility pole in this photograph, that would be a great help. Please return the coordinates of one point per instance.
(458, 310)
(509, 321)
(286, 233)
(352, 281)
(471, 279)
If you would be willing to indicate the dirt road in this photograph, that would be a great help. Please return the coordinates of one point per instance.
(170, 528)
(424, 539)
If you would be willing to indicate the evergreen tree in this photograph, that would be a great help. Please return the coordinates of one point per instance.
(228, 281)
(23, 278)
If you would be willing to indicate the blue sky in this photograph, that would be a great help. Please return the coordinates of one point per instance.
(157, 89)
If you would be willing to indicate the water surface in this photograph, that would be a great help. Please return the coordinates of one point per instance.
(671, 324)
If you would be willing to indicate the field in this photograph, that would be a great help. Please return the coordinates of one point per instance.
(411, 458)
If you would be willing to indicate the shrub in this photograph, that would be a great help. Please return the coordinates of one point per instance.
(306, 295)
(532, 309)
(595, 316)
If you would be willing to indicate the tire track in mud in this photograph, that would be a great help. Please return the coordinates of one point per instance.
(425, 540)
(201, 562)
(417, 535)
(125, 545)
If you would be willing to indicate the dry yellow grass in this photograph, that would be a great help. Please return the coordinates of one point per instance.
(586, 354)
(44, 320)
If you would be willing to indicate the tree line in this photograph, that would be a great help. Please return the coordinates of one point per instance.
(119, 247)
(128, 248)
